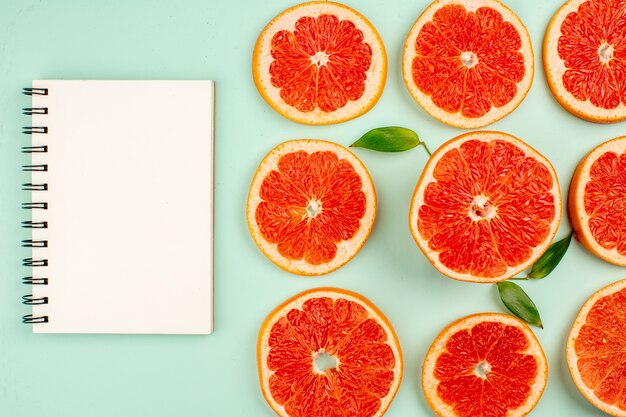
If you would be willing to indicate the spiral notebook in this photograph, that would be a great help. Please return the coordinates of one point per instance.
(121, 208)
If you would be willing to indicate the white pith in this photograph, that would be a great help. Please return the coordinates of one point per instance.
(427, 177)
(430, 382)
(456, 119)
(314, 208)
(346, 249)
(320, 58)
(469, 59)
(376, 74)
(482, 369)
(605, 52)
(481, 208)
(316, 357)
(572, 358)
(263, 345)
(555, 68)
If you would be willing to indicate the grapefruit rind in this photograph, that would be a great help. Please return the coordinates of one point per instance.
(571, 352)
(430, 383)
(346, 249)
(296, 302)
(376, 74)
(456, 119)
(576, 201)
(554, 68)
(427, 176)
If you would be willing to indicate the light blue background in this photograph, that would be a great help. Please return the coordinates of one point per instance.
(115, 375)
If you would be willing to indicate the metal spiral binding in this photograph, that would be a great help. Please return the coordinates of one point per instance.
(29, 186)
(29, 319)
(34, 243)
(29, 130)
(35, 149)
(35, 205)
(35, 91)
(34, 262)
(29, 111)
(34, 281)
(30, 300)
(34, 225)
(40, 167)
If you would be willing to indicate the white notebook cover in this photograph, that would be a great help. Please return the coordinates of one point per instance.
(130, 206)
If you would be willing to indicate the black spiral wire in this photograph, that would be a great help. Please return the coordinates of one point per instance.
(35, 264)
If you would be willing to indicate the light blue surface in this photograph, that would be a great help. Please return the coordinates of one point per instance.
(158, 376)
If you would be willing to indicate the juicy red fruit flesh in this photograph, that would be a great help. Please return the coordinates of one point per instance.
(601, 349)
(517, 189)
(596, 26)
(508, 381)
(490, 81)
(321, 64)
(364, 374)
(605, 201)
(284, 216)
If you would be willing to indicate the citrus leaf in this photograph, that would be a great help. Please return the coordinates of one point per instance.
(550, 259)
(388, 139)
(519, 303)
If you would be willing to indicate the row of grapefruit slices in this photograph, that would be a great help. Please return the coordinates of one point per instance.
(485, 208)
(468, 63)
(330, 352)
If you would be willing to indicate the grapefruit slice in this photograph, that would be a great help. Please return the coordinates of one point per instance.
(486, 207)
(319, 63)
(487, 364)
(597, 201)
(584, 56)
(468, 63)
(328, 352)
(596, 349)
(311, 206)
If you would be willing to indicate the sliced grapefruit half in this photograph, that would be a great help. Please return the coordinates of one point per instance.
(320, 62)
(486, 207)
(596, 349)
(487, 364)
(328, 352)
(584, 56)
(468, 63)
(597, 201)
(311, 206)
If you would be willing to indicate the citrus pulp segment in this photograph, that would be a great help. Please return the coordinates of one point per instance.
(597, 201)
(311, 206)
(596, 349)
(486, 207)
(487, 364)
(584, 56)
(320, 62)
(468, 63)
(366, 367)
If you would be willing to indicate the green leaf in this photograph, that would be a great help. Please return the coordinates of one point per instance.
(519, 303)
(388, 139)
(550, 259)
